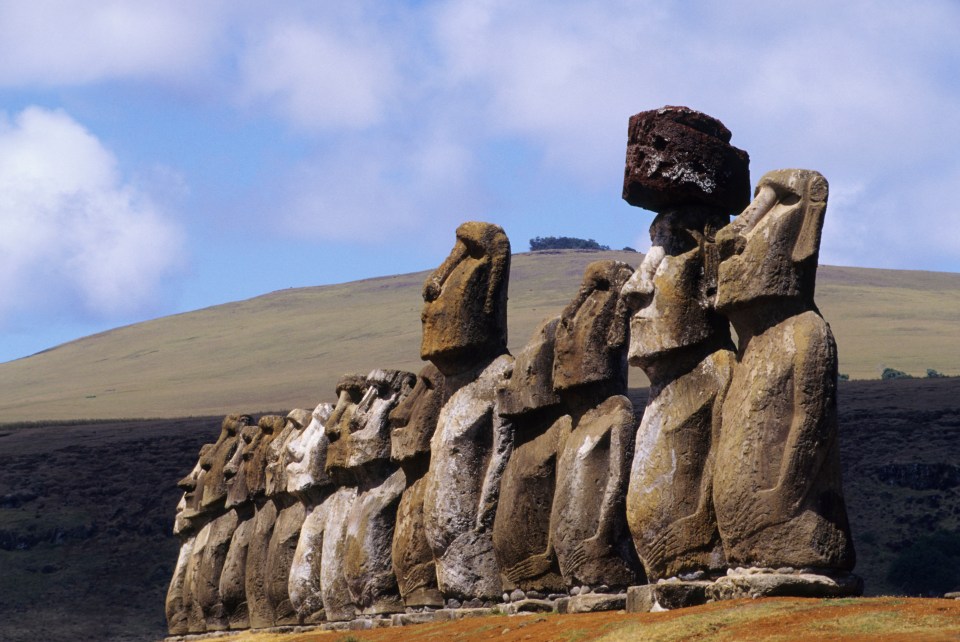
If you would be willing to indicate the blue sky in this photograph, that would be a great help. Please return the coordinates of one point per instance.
(159, 157)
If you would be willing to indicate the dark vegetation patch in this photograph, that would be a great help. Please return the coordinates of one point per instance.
(86, 509)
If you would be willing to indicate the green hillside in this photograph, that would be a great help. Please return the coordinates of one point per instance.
(287, 348)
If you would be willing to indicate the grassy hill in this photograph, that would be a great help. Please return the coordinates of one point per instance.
(286, 349)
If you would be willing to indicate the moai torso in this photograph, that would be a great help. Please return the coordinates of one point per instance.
(464, 335)
(521, 529)
(413, 422)
(588, 525)
(777, 487)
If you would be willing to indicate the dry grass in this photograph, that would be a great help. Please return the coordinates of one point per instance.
(286, 349)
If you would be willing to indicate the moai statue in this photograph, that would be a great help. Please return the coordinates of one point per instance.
(259, 608)
(233, 577)
(679, 164)
(213, 540)
(290, 515)
(307, 480)
(777, 485)
(521, 528)
(364, 454)
(465, 335)
(587, 522)
(338, 604)
(412, 424)
(185, 529)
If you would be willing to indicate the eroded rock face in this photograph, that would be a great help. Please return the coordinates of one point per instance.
(464, 336)
(588, 525)
(412, 423)
(521, 529)
(678, 157)
(685, 349)
(777, 486)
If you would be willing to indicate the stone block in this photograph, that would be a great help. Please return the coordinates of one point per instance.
(737, 585)
(678, 157)
(595, 602)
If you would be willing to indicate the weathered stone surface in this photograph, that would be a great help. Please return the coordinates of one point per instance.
(588, 532)
(213, 554)
(233, 592)
(677, 157)
(332, 513)
(685, 350)
(214, 483)
(280, 554)
(465, 300)
(777, 486)
(174, 607)
(738, 584)
(464, 336)
(593, 603)
(521, 528)
(413, 422)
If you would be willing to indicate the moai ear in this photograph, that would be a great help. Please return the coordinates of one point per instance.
(813, 195)
(499, 265)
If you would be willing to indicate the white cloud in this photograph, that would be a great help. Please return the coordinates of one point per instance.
(332, 72)
(71, 42)
(71, 232)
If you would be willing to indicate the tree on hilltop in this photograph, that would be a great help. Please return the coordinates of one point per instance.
(564, 243)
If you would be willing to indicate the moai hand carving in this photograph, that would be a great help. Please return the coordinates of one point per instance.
(308, 480)
(464, 335)
(680, 164)
(412, 423)
(588, 532)
(367, 563)
(521, 529)
(777, 486)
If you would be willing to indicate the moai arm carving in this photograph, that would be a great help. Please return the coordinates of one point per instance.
(490, 493)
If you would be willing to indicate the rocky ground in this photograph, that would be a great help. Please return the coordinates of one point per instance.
(86, 511)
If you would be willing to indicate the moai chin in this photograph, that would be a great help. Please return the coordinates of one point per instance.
(367, 564)
(464, 336)
(588, 533)
(521, 529)
(777, 486)
(413, 422)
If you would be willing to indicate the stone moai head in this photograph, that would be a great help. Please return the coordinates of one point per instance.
(238, 492)
(277, 456)
(770, 252)
(681, 158)
(189, 504)
(270, 428)
(465, 301)
(214, 481)
(590, 343)
(528, 385)
(365, 438)
(414, 419)
(308, 453)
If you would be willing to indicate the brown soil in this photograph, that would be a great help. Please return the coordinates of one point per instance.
(867, 619)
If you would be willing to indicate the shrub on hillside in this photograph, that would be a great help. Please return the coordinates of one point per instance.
(892, 373)
(564, 243)
(933, 374)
